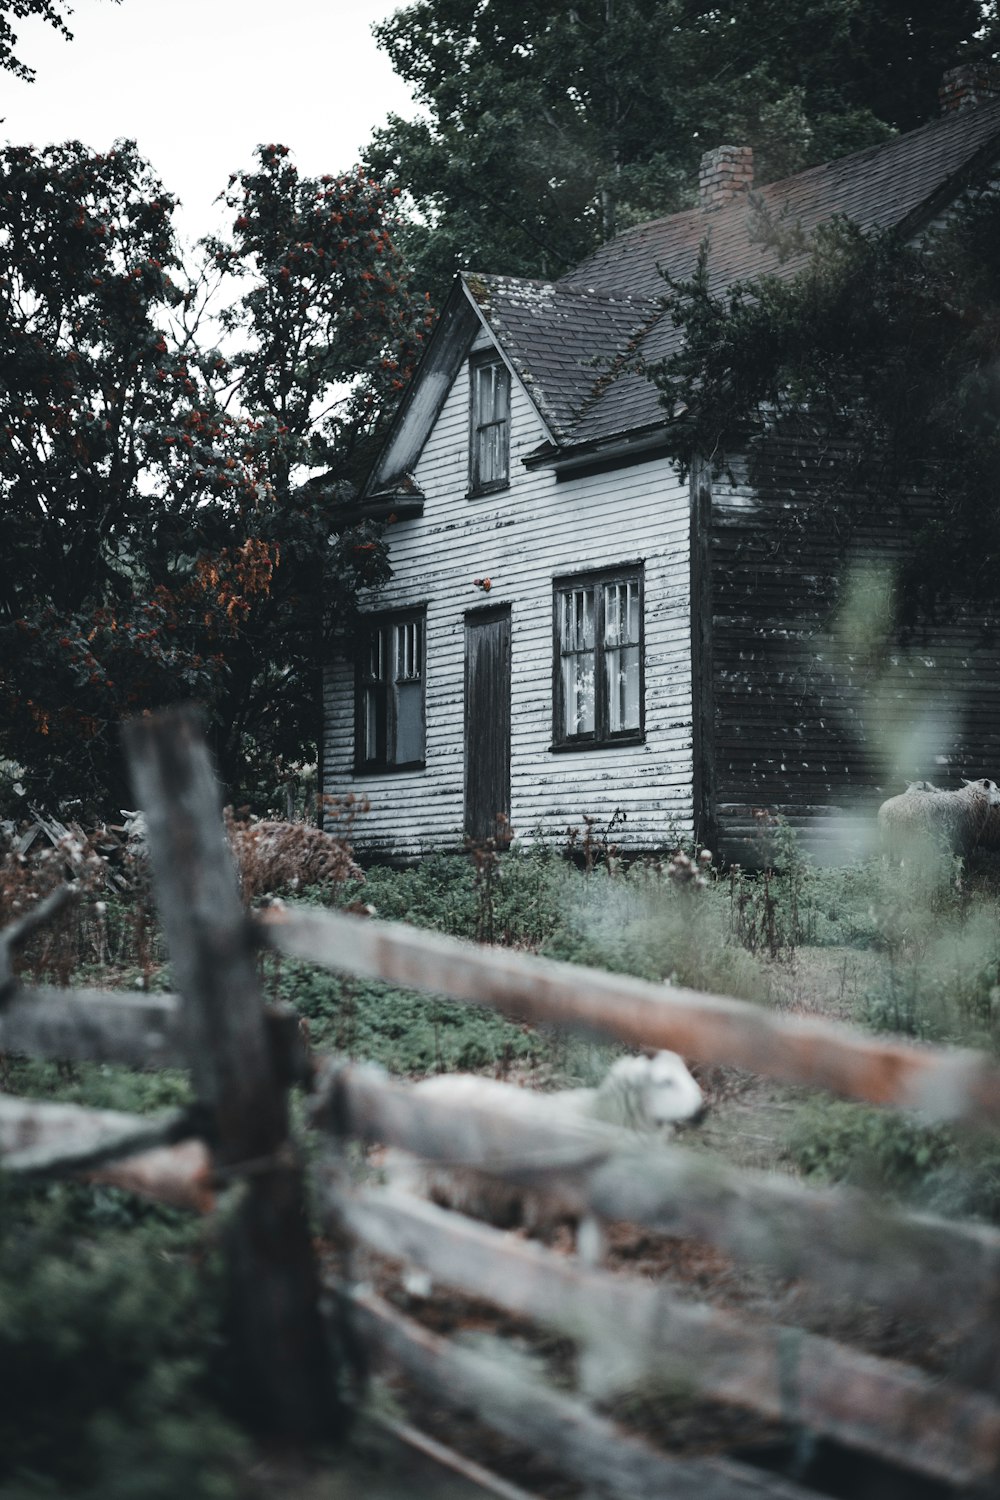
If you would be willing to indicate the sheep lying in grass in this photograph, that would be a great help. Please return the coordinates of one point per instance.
(645, 1095)
(923, 819)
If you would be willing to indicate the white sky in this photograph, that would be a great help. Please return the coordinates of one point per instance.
(199, 83)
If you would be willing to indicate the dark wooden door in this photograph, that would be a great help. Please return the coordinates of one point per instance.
(487, 722)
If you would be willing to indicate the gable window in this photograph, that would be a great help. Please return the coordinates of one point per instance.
(489, 427)
(389, 711)
(598, 658)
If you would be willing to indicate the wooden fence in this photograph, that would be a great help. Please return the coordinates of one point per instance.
(935, 1275)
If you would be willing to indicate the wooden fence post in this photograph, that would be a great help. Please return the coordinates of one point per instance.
(283, 1360)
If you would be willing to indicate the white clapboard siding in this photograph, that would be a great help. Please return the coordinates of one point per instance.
(521, 539)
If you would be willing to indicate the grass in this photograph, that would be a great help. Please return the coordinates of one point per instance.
(91, 1280)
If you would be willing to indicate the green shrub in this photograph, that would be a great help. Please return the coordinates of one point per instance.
(646, 924)
(95, 1085)
(880, 1149)
(948, 1172)
(404, 1030)
(109, 1343)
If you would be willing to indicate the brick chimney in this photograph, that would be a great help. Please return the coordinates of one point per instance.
(968, 85)
(724, 174)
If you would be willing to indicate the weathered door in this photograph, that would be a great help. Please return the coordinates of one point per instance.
(487, 722)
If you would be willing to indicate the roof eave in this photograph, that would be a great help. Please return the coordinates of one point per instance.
(568, 458)
(967, 175)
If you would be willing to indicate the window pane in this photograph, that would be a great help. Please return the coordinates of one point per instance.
(409, 722)
(487, 455)
(484, 394)
(490, 424)
(578, 694)
(408, 667)
(370, 717)
(621, 613)
(408, 659)
(373, 666)
(577, 627)
(622, 677)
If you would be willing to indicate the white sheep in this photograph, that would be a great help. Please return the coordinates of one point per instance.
(646, 1095)
(923, 819)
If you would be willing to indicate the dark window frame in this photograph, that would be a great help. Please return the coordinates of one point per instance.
(383, 687)
(478, 486)
(601, 737)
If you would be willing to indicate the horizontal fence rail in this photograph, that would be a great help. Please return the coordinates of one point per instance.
(943, 1275)
(42, 1138)
(138, 1030)
(942, 1084)
(557, 1427)
(639, 1330)
(39, 1138)
(84, 1025)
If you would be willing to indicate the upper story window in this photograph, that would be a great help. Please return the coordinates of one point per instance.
(489, 426)
(389, 710)
(599, 658)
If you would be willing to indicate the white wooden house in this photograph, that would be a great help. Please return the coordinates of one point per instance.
(569, 629)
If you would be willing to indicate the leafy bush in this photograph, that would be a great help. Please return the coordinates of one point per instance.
(649, 925)
(95, 1085)
(844, 1142)
(944, 1171)
(404, 1030)
(109, 1347)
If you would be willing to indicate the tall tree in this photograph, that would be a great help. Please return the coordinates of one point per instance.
(157, 538)
(545, 129)
(53, 11)
(880, 361)
(322, 340)
(95, 425)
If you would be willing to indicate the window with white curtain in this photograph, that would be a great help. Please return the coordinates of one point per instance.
(599, 658)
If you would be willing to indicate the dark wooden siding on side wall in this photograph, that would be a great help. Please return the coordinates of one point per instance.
(809, 714)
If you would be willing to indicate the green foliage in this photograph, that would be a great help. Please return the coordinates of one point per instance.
(932, 1167)
(160, 536)
(92, 401)
(877, 363)
(879, 1149)
(546, 129)
(53, 11)
(404, 1030)
(943, 976)
(645, 924)
(95, 1085)
(108, 1344)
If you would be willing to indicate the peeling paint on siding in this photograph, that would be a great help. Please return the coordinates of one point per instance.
(521, 538)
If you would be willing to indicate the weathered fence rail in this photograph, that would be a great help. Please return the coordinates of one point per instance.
(941, 1083)
(942, 1275)
(938, 1275)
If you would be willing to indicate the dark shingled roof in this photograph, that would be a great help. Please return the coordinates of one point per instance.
(561, 340)
(570, 340)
